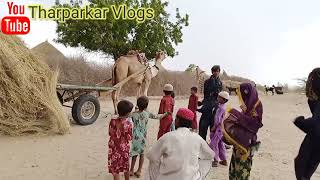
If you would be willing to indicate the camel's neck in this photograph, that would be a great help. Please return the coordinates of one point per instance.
(199, 74)
(154, 70)
(158, 62)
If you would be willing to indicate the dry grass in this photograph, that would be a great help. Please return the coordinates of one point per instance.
(173, 77)
(28, 101)
(77, 70)
(49, 54)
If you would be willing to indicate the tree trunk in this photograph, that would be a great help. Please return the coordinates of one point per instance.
(115, 56)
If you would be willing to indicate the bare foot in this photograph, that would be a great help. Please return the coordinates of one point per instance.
(215, 164)
(224, 163)
(137, 174)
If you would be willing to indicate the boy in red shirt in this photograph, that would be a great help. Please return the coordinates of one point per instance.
(166, 106)
(193, 106)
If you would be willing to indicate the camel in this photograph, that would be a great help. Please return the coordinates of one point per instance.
(129, 65)
(232, 89)
(200, 77)
(267, 89)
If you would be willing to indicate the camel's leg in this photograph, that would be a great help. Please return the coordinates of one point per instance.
(146, 87)
(138, 93)
(118, 95)
(115, 99)
(139, 90)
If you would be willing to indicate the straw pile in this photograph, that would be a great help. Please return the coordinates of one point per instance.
(28, 100)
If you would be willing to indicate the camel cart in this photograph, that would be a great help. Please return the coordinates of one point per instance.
(86, 106)
(279, 90)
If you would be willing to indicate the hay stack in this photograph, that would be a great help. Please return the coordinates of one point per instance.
(28, 101)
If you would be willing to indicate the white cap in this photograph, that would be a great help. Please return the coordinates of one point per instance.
(224, 95)
(168, 87)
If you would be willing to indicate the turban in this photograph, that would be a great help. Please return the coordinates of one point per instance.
(186, 114)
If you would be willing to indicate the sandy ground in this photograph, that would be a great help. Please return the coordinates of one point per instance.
(82, 155)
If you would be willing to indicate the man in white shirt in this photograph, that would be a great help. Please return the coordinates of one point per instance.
(180, 154)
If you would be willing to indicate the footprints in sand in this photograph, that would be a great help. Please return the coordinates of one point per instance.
(265, 155)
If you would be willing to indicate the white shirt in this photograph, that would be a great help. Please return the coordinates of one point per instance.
(179, 153)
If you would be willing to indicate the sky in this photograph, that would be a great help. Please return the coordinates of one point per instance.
(267, 41)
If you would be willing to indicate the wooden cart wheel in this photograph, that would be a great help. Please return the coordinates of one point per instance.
(85, 109)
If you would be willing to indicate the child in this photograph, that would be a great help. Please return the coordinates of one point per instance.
(173, 95)
(216, 135)
(140, 121)
(181, 154)
(193, 106)
(166, 106)
(120, 132)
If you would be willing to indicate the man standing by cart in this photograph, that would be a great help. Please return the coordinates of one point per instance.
(212, 87)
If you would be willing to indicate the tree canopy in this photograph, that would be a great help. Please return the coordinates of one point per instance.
(115, 37)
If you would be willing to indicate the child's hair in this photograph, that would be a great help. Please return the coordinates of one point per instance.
(142, 103)
(173, 95)
(167, 93)
(183, 122)
(215, 68)
(124, 107)
(195, 89)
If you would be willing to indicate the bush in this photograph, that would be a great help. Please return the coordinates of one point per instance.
(78, 71)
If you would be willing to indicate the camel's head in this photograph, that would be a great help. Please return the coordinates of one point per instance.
(198, 70)
(160, 56)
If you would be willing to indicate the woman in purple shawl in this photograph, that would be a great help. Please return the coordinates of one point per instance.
(251, 119)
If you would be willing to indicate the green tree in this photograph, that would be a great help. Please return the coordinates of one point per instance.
(116, 37)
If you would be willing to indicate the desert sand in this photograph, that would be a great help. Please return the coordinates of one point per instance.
(82, 154)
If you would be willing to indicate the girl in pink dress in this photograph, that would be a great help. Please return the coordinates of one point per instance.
(120, 132)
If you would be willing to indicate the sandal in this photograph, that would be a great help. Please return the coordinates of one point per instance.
(131, 173)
